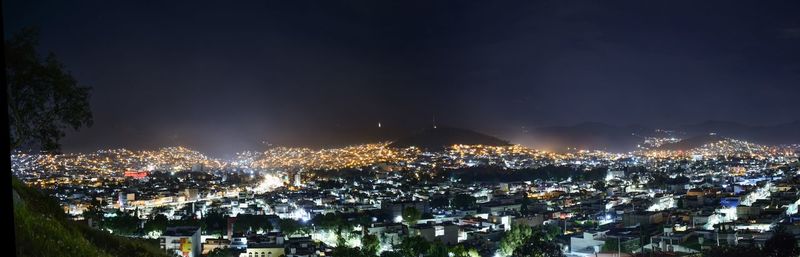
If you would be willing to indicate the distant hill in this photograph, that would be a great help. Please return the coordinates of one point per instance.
(442, 137)
(601, 136)
(691, 143)
(784, 133)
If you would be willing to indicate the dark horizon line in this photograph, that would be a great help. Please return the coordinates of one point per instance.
(408, 131)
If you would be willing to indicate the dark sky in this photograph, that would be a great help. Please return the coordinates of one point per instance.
(222, 76)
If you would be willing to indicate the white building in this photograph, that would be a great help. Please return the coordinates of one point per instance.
(588, 244)
(183, 241)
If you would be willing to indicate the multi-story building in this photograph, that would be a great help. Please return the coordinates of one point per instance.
(269, 245)
(446, 232)
(183, 241)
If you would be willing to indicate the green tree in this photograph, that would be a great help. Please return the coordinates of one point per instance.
(363, 221)
(157, 223)
(437, 249)
(216, 223)
(370, 244)
(417, 246)
(94, 212)
(123, 223)
(515, 237)
(411, 215)
(463, 201)
(537, 246)
(244, 223)
(344, 251)
(290, 226)
(551, 231)
(414, 246)
(328, 221)
(341, 236)
(461, 251)
(43, 98)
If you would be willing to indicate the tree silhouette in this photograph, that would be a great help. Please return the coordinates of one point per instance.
(411, 215)
(463, 201)
(738, 250)
(43, 98)
(782, 243)
(515, 237)
(414, 246)
(535, 246)
(370, 244)
(290, 226)
(523, 240)
(221, 252)
(461, 251)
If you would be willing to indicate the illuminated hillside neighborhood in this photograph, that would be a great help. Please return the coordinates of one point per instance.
(304, 202)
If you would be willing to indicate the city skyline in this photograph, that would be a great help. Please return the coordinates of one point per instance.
(363, 128)
(222, 78)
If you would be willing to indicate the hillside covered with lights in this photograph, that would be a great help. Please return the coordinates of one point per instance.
(443, 137)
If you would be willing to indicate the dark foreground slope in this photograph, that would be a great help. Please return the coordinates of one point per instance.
(42, 229)
(440, 138)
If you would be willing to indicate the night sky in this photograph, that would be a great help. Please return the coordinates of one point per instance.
(223, 76)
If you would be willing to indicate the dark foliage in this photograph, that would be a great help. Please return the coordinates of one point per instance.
(781, 243)
(41, 229)
(537, 246)
(411, 215)
(740, 251)
(43, 98)
(464, 201)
